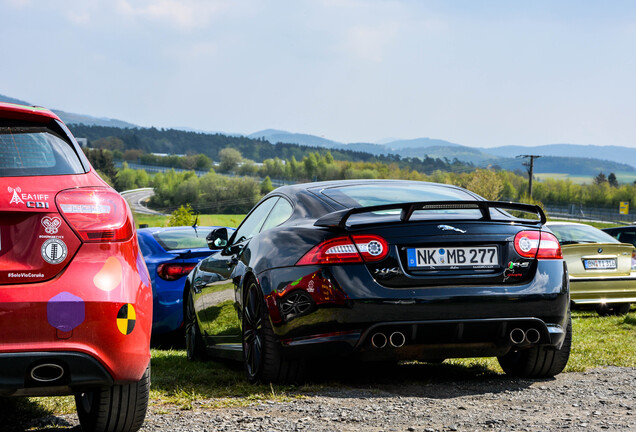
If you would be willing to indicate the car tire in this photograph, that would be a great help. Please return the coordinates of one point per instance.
(615, 309)
(539, 361)
(195, 347)
(262, 354)
(116, 408)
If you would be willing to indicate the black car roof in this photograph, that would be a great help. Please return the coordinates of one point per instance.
(310, 203)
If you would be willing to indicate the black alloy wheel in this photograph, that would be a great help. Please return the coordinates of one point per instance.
(253, 332)
(195, 349)
(262, 353)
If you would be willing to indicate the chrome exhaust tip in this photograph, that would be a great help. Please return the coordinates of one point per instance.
(378, 340)
(533, 336)
(517, 336)
(47, 372)
(397, 339)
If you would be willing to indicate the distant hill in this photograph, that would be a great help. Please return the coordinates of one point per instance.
(172, 141)
(8, 99)
(72, 118)
(276, 136)
(622, 155)
(459, 152)
(590, 160)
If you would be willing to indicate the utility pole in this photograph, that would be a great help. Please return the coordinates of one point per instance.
(530, 166)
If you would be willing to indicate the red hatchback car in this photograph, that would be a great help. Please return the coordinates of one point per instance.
(75, 295)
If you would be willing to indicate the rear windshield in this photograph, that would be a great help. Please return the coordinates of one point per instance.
(182, 239)
(33, 151)
(380, 194)
(571, 234)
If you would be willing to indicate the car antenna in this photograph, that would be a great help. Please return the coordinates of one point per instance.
(194, 225)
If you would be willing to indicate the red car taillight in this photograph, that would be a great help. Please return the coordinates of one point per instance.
(537, 244)
(96, 214)
(343, 250)
(173, 271)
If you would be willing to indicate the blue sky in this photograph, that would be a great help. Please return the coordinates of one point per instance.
(484, 73)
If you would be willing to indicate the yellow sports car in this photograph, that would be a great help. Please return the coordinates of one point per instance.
(602, 270)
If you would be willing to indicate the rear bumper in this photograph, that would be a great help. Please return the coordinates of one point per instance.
(80, 312)
(50, 373)
(426, 340)
(596, 290)
(349, 306)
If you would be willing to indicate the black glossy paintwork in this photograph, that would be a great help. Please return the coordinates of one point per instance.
(349, 299)
(545, 297)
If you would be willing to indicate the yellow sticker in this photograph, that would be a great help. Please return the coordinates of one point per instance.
(126, 318)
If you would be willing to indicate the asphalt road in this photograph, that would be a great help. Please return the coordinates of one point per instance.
(136, 199)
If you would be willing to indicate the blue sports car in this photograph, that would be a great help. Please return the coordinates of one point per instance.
(170, 253)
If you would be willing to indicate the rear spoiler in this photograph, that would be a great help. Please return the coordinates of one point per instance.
(338, 219)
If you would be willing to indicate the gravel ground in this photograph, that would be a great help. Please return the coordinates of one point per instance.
(601, 399)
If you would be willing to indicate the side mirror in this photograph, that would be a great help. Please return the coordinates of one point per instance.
(217, 238)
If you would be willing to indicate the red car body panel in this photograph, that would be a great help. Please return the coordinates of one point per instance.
(97, 300)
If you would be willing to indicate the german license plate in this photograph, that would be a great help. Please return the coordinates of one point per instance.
(483, 257)
(599, 264)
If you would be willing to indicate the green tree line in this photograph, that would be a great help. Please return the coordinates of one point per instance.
(218, 193)
(172, 141)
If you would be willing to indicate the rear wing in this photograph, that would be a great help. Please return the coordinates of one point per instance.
(338, 219)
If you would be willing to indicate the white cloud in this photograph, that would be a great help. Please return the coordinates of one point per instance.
(370, 43)
(184, 14)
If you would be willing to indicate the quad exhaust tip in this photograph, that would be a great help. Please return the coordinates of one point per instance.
(397, 339)
(531, 336)
(378, 340)
(517, 336)
(47, 372)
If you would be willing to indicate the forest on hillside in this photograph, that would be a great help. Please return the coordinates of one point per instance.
(172, 141)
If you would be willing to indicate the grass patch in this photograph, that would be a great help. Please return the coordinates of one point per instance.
(176, 381)
(204, 220)
(623, 177)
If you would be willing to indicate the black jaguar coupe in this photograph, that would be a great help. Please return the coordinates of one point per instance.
(382, 270)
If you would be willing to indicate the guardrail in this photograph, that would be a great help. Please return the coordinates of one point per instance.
(575, 212)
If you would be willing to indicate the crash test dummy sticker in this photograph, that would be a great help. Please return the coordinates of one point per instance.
(126, 318)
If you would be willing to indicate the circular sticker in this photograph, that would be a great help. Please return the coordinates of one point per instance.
(126, 318)
(53, 251)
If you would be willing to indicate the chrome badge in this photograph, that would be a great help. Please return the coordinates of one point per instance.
(450, 228)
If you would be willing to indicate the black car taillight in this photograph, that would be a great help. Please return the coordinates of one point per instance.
(537, 244)
(96, 214)
(346, 250)
(173, 271)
